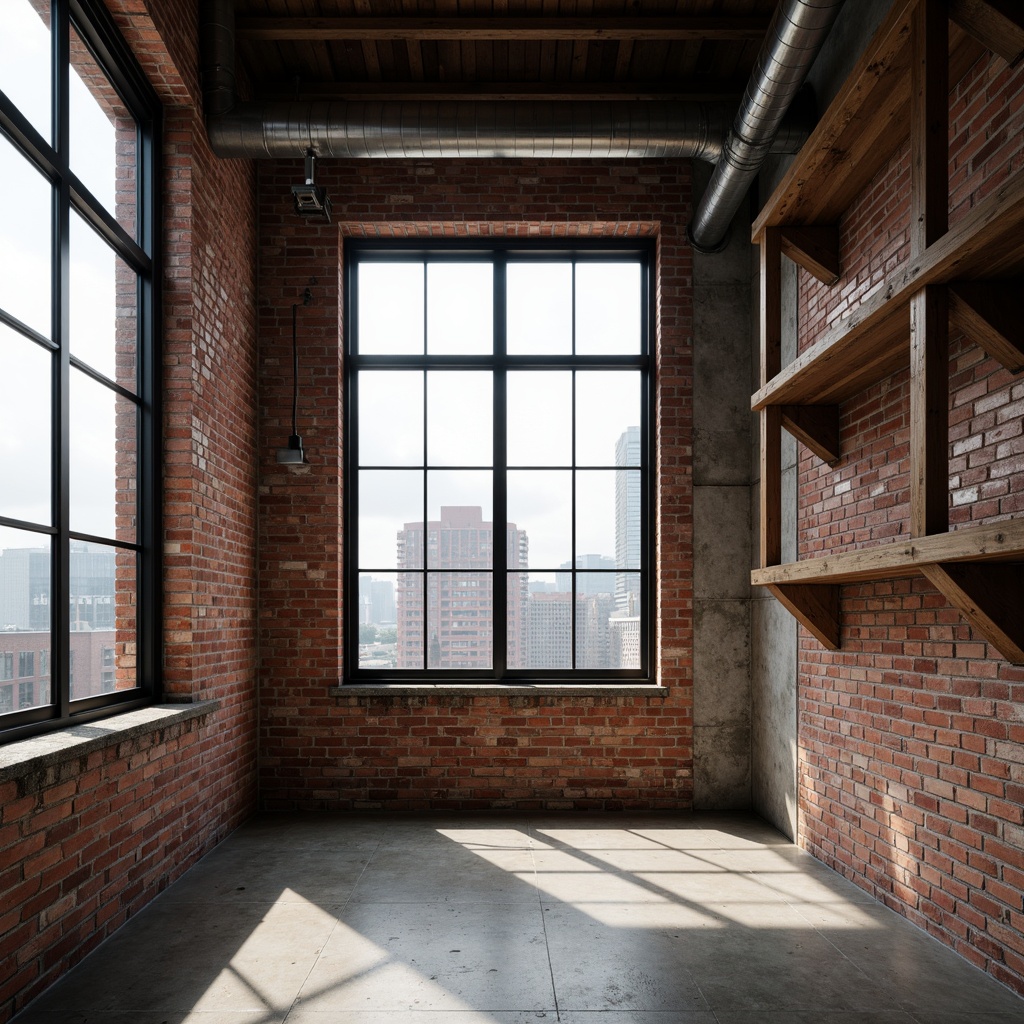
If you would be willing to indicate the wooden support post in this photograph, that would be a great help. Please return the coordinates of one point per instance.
(996, 24)
(771, 303)
(771, 485)
(990, 595)
(816, 426)
(771, 418)
(989, 314)
(815, 247)
(929, 125)
(929, 412)
(815, 606)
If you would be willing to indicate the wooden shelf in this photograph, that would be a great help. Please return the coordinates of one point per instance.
(991, 542)
(872, 342)
(964, 276)
(862, 128)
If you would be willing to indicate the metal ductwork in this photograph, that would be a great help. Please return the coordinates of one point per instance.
(797, 31)
(423, 130)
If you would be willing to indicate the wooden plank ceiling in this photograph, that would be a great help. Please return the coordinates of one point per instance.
(500, 49)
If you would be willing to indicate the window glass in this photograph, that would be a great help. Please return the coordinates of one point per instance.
(25, 61)
(25, 428)
(391, 418)
(103, 460)
(104, 323)
(460, 430)
(460, 308)
(539, 308)
(608, 308)
(103, 137)
(25, 588)
(509, 428)
(539, 431)
(26, 243)
(102, 619)
(390, 308)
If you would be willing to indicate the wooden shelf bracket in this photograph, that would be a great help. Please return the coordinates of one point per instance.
(815, 606)
(816, 426)
(989, 314)
(815, 247)
(990, 596)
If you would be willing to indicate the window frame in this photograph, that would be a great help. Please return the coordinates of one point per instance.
(500, 252)
(140, 252)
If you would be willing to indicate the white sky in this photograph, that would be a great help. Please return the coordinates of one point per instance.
(25, 234)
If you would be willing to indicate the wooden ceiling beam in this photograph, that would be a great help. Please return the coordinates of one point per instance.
(696, 90)
(460, 29)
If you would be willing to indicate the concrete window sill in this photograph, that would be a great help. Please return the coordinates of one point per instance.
(41, 753)
(496, 690)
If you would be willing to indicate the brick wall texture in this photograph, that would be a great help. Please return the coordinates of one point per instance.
(86, 845)
(911, 746)
(456, 750)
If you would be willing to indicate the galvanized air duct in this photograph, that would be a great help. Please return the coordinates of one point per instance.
(454, 129)
(795, 36)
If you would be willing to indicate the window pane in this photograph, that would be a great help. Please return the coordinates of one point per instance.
(25, 418)
(539, 406)
(460, 623)
(608, 308)
(104, 469)
(390, 304)
(624, 637)
(378, 638)
(540, 505)
(25, 62)
(411, 625)
(592, 616)
(608, 515)
(390, 519)
(390, 418)
(460, 418)
(548, 625)
(461, 530)
(25, 241)
(103, 148)
(103, 619)
(104, 292)
(460, 308)
(24, 620)
(607, 418)
(539, 300)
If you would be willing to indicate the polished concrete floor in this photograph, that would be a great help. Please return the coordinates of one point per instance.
(484, 920)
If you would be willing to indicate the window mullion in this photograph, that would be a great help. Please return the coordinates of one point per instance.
(499, 546)
(60, 571)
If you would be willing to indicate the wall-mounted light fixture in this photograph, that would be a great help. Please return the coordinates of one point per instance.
(294, 454)
(310, 200)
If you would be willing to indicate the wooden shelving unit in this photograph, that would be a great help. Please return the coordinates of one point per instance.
(970, 276)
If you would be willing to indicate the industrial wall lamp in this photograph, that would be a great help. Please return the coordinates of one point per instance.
(294, 454)
(311, 200)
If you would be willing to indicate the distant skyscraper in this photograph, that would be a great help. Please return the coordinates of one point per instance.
(445, 615)
(627, 519)
(591, 581)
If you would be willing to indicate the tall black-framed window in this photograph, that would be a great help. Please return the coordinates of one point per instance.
(498, 462)
(79, 502)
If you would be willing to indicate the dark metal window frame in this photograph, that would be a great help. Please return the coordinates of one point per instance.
(96, 29)
(499, 253)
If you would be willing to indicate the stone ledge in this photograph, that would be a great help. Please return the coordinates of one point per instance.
(38, 753)
(499, 690)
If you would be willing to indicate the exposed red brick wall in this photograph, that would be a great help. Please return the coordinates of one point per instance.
(912, 736)
(456, 750)
(85, 846)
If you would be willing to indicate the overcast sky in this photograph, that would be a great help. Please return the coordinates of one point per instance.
(25, 242)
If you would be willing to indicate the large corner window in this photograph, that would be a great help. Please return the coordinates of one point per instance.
(498, 464)
(78, 304)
